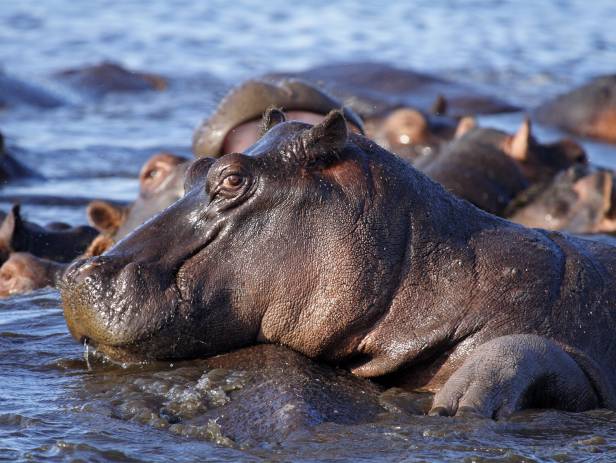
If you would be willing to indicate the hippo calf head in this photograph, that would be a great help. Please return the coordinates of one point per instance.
(161, 182)
(286, 243)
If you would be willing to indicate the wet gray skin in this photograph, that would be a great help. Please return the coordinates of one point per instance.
(295, 243)
(589, 110)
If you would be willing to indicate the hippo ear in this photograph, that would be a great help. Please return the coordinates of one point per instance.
(10, 227)
(271, 117)
(439, 107)
(323, 143)
(105, 217)
(518, 146)
(466, 124)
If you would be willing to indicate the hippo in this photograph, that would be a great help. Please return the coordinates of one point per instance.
(161, 182)
(589, 110)
(234, 126)
(24, 272)
(107, 77)
(15, 92)
(581, 200)
(373, 88)
(317, 239)
(58, 242)
(490, 168)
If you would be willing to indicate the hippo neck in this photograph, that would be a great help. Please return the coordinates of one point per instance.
(438, 277)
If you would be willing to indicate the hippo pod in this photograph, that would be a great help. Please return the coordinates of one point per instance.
(317, 239)
(373, 88)
(490, 168)
(235, 124)
(589, 110)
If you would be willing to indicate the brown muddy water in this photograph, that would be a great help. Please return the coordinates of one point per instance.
(56, 405)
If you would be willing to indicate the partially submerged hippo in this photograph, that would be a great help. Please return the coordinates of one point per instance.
(24, 272)
(490, 168)
(579, 200)
(589, 110)
(373, 88)
(234, 126)
(58, 242)
(108, 77)
(321, 241)
(161, 182)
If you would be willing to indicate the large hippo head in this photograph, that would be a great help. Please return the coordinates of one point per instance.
(294, 241)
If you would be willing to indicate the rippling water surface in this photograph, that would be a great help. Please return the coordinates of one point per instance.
(52, 407)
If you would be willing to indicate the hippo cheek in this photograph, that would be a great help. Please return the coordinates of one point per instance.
(127, 313)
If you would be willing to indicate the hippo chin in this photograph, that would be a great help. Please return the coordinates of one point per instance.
(321, 241)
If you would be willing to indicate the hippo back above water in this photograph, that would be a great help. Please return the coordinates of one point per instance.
(319, 240)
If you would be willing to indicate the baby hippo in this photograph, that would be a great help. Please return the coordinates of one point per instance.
(24, 272)
(161, 182)
(489, 167)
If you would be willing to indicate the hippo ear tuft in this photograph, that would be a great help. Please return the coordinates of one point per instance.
(323, 143)
(271, 117)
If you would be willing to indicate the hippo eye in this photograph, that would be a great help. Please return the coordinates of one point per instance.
(232, 182)
(152, 173)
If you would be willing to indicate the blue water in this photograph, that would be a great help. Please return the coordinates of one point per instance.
(525, 51)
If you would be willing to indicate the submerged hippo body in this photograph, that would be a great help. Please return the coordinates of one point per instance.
(589, 110)
(375, 88)
(324, 242)
(107, 77)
